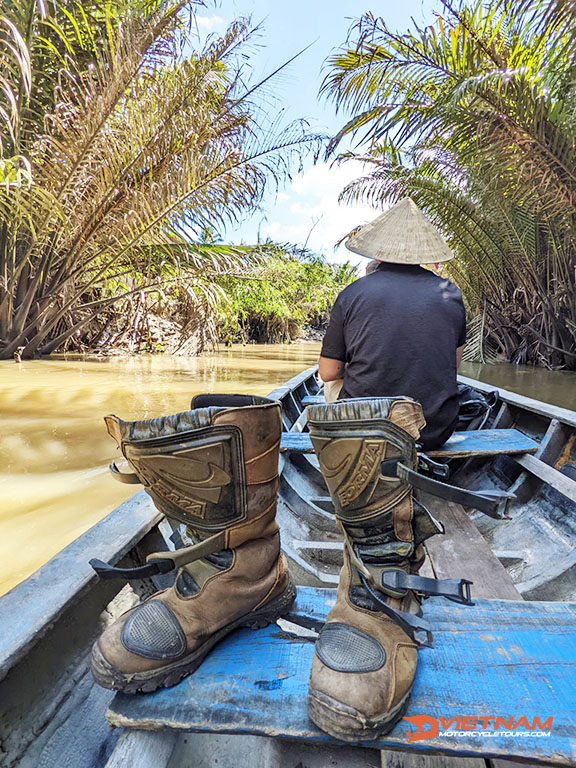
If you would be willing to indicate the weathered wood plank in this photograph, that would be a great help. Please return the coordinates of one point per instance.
(563, 484)
(51, 711)
(464, 553)
(474, 442)
(468, 553)
(138, 749)
(499, 658)
(392, 759)
(222, 750)
(77, 736)
(553, 442)
(485, 442)
(504, 418)
(461, 553)
(29, 610)
(313, 400)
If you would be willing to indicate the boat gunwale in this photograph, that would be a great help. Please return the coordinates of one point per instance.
(31, 608)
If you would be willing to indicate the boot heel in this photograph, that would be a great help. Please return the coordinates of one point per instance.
(273, 610)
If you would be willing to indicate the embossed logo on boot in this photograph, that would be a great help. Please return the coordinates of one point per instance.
(186, 478)
(369, 460)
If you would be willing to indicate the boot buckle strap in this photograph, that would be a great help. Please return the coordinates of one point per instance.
(491, 503)
(107, 571)
(130, 478)
(415, 626)
(389, 467)
(397, 580)
(163, 562)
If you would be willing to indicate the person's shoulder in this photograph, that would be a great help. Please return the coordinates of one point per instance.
(447, 287)
(451, 289)
(352, 289)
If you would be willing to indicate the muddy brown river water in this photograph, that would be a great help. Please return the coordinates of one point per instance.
(54, 449)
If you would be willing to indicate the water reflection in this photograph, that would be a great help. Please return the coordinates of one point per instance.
(555, 387)
(54, 448)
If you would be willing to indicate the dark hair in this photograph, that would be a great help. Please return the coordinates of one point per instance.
(372, 266)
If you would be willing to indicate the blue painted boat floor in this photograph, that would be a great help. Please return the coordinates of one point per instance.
(507, 659)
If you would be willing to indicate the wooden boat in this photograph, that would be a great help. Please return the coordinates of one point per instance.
(536, 541)
(51, 712)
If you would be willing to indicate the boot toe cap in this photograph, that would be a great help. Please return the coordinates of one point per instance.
(153, 631)
(358, 685)
(141, 641)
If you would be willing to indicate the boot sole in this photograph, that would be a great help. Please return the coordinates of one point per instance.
(348, 724)
(144, 682)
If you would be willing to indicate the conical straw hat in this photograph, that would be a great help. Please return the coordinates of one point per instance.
(402, 235)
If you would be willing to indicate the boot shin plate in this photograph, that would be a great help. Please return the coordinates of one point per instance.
(196, 477)
(350, 456)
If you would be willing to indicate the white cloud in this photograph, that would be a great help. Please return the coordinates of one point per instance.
(273, 228)
(311, 213)
(207, 24)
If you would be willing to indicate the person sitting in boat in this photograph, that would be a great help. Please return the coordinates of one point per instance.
(401, 329)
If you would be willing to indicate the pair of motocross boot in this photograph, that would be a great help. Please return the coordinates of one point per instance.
(215, 469)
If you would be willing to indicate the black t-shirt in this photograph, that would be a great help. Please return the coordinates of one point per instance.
(398, 330)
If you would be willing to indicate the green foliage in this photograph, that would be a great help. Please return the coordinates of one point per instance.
(121, 138)
(288, 291)
(474, 117)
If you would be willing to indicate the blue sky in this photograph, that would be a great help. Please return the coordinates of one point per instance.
(307, 209)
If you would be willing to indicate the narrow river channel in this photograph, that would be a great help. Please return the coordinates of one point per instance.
(54, 449)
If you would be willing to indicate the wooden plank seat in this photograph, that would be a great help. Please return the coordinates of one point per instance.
(474, 442)
(496, 659)
(313, 400)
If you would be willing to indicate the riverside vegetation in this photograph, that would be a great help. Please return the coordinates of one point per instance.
(124, 144)
(474, 117)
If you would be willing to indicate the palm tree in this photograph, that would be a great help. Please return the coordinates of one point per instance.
(474, 116)
(121, 140)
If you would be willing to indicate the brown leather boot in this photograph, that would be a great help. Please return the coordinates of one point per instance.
(214, 468)
(366, 654)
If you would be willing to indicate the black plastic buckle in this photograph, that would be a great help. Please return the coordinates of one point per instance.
(456, 590)
(154, 568)
(389, 467)
(431, 467)
(415, 627)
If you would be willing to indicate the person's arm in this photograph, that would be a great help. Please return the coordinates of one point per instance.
(459, 353)
(333, 353)
(330, 369)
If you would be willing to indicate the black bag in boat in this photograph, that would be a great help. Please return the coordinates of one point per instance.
(474, 407)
